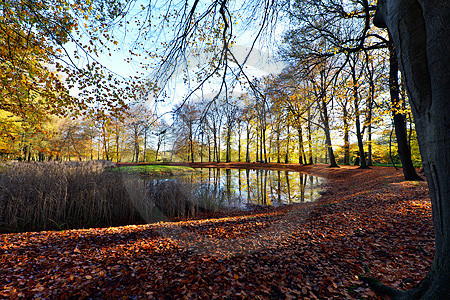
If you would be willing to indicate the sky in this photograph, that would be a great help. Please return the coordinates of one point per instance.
(261, 62)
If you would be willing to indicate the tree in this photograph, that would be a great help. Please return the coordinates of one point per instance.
(356, 101)
(321, 82)
(421, 36)
(188, 116)
(346, 28)
(230, 111)
(399, 118)
(30, 89)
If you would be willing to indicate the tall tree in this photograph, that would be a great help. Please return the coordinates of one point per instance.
(356, 106)
(399, 118)
(421, 36)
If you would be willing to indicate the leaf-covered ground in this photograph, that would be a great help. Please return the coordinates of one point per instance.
(366, 221)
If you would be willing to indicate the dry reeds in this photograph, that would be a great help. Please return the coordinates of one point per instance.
(51, 195)
(56, 196)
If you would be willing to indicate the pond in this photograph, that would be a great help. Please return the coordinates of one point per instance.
(56, 196)
(214, 189)
(244, 187)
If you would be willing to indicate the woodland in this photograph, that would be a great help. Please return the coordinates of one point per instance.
(360, 99)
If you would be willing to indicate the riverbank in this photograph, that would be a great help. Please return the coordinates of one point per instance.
(366, 221)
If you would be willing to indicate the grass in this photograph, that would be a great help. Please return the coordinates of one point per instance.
(55, 196)
(58, 196)
(156, 170)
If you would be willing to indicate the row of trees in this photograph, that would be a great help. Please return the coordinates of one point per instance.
(286, 125)
(330, 46)
(342, 78)
(118, 138)
(337, 83)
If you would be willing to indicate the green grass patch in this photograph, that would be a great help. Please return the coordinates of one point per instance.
(156, 170)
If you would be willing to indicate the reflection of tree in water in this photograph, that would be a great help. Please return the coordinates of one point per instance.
(261, 187)
(235, 188)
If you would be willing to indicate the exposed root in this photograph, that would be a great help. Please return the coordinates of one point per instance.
(381, 288)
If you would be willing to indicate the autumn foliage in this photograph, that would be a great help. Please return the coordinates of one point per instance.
(367, 222)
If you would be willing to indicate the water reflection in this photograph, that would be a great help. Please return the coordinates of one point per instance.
(241, 187)
(213, 189)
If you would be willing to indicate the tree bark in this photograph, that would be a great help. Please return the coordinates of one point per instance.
(421, 35)
(247, 154)
(362, 156)
(409, 172)
(326, 128)
(286, 159)
(300, 144)
(228, 141)
(309, 138)
(346, 137)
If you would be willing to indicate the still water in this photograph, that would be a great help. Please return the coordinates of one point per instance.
(243, 187)
(213, 189)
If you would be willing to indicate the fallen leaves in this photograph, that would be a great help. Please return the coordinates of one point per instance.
(368, 221)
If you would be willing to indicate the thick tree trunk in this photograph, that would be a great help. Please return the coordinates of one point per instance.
(409, 172)
(326, 128)
(420, 31)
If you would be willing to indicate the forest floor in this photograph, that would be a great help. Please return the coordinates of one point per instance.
(366, 222)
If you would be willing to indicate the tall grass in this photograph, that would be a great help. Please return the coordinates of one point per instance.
(56, 196)
(50, 195)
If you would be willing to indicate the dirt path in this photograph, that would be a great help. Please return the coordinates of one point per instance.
(366, 221)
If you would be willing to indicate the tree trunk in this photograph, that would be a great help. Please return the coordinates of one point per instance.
(215, 146)
(369, 145)
(264, 144)
(326, 128)
(201, 147)
(420, 32)
(158, 145)
(239, 146)
(409, 172)
(247, 154)
(145, 145)
(362, 156)
(228, 155)
(300, 144)
(209, 152)
(370, 100)
(309, 138)
(191, 143)
(257, 143)
(286, 159)
(278, 145)
(346, 137)
(218, 147)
